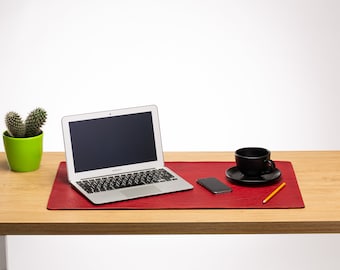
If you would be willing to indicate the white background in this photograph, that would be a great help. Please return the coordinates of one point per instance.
(224, 74)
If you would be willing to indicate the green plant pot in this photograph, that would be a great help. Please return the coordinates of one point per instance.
(23, 154)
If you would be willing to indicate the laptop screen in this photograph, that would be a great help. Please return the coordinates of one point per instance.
(112, 141)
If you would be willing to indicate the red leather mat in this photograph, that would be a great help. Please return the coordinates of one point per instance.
(63, 196)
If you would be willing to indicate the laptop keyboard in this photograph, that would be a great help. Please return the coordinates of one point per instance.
(111, 182)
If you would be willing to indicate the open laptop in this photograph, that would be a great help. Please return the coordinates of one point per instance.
(117, 155)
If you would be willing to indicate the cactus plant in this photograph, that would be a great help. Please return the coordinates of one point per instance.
(15, 125)
(29, 128)
(34, 122)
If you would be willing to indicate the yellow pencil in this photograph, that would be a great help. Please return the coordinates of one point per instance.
(271, 195)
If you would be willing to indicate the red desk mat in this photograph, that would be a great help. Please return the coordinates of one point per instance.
(63, 196)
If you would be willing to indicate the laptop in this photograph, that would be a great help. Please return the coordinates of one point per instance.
(117, 155)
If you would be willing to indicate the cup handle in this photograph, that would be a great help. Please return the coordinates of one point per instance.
(270, 166)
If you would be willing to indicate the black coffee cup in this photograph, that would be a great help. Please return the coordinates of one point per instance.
(254, 161)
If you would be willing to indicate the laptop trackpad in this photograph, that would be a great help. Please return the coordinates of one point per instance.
(140, 191)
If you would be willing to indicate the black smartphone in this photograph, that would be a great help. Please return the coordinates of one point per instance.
(214, 185)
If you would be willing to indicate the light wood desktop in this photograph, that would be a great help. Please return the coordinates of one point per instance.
(24, 196)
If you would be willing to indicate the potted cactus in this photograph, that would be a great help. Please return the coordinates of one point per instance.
(23, 140)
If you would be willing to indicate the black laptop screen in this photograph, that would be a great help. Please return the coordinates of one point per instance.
(112, 141)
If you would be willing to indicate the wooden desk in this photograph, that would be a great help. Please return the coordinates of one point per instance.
(24, 196)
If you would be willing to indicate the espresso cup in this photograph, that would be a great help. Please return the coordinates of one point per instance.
(254, 161)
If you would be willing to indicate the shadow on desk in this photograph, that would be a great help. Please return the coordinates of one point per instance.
(4, 165)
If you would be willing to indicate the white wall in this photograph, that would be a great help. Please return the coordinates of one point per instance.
(224, 74)
(187, 252)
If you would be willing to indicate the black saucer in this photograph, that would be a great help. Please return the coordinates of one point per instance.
(235, 176)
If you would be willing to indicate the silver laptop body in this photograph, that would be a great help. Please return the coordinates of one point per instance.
(103, 145)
